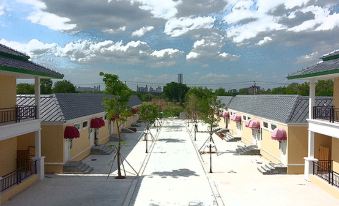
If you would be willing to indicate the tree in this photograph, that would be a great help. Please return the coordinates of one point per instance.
(324, 88)
(220, 92)
(175, 91)
(46, 86)
(116, 107)
(149, 112)
(25, 88)
(63, 86)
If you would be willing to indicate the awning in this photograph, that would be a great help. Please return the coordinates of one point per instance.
(71, 132)
(254, 124)
(226, 114)
(96, 123)
(101, 122)
(279, 134)
(236, 118)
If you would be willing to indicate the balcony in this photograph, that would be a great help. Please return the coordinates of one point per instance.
(323, 169)
(18, 114)
(18, 120)
(329, 113)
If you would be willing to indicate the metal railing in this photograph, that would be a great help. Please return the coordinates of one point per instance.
(17, 176)
(323, 169)
(18, 113)
(329, 113)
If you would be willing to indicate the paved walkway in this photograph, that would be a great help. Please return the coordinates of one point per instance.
(240, 183)
(174, 174)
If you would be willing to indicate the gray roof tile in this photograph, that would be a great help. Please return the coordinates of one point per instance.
(67, 106)
(225, 100)
(8, 50)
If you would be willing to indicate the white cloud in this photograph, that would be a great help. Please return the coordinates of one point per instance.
(165, 9)
(50, 20)
(178, 26)
(33, 48)
(192, 55)
(323, 19)
(265, 40)
(2, 9)
(229, 57)
(165, 53)
(113, 31)
(142, 31)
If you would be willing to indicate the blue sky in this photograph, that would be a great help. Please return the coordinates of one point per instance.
(219, 43)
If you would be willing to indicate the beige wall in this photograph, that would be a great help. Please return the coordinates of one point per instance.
(103, 133)
(80, 146)
(8, 150)
(269, 147)
(52, 146)
(25, 141)
(7, 91)
(335, 154)
(297, 143)
(321, 140)
(247, 137)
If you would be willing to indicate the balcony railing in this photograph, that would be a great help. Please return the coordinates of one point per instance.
(17, 176)
(17, 113)
(323, 169)
(329, 113)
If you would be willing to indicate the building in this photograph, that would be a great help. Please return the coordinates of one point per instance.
(322, 159)
(275, 124)
(21, 162)
(142, 89)
(88, 89)
(74, 112)
(180, 78)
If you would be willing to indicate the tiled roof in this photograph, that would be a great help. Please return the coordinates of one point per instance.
(14, 61)
(281, 108)
(7, 50)
(319, 69)
(67, 106)
(225, 100)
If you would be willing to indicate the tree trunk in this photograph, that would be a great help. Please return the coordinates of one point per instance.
(118, 153)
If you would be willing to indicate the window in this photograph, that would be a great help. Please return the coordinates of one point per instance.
(273, 126)
(244, 117)
(248, 118)
(84, 124)
(265, 124)
(239, 127)
(77, 126)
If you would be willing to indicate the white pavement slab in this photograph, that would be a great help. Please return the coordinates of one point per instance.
(174, 174)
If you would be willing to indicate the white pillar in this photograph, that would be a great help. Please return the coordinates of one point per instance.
(310, 149)
(311, 99)
(40, 160)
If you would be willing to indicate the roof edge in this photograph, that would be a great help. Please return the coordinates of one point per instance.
(315, 74)
(23, 71)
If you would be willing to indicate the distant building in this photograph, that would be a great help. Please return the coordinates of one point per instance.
(147, 89)
(142, 89)
(88, 89)
(158, 89)
(253, 89)
(180, 78)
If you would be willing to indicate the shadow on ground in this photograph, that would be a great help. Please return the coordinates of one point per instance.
(176, 173)
(169, 140)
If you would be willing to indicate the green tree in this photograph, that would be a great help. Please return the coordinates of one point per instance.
(63, 86)
(25, 88)
(116, 107)
(175, 91)
(324, 88)
(149, 112)
(243, 91)
(220, 92)
(46, 86)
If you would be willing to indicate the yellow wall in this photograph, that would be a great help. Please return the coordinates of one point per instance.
(12, 191)
(297, 148)
(325, 186)
(103, 133)
(52, 145)
(336, 93)
(7, 91)
(8, 150)
(25, 141)
(247, 136)
(80, 146)
(321, 140)
(269, 147)
(335, 154)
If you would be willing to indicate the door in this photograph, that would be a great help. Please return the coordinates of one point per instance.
(324, 155)
(256, 137)
(67, 150)
(91, 137)
(283, 152)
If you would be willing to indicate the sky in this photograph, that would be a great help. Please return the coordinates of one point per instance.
(214, 43)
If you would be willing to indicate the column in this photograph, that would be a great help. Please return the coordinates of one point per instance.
(40, 160)
(310, 149)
